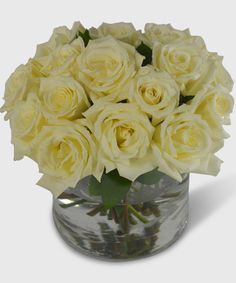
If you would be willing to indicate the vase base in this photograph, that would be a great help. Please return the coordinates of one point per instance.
(76, 245)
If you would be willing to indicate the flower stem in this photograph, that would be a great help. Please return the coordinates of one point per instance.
(137, 214)
(126, 216)
(95, 211)
(115, 215)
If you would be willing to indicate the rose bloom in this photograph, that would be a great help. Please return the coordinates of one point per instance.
(106, 66)
(61, 60)
(60, 36)
(213, 74)
(125, 32)
(214, 105)
(15, 89)
(183, 143)
(164, 34)
(65, 152)
(156, 93)
(124, 134)
(62, 97)
(182, 60)
(26, 121)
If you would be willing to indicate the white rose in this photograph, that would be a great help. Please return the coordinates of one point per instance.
(214, 105)
(156, 93)
(213, 74)
(61, 36)
(62, 60)
(182, 60)
(124, 133)
(26, 121)
(62, 97)
(222, 76)
(75, 30)
(65, 152)
(123, 31)
(105, 67)
(164, 34)
(15, 88)
(183, 143)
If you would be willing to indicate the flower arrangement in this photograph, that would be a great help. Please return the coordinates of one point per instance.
(119, 104)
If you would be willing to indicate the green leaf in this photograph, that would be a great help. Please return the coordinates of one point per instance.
(85, 36)
(112, 188)
(146, 51)
(151, 177)
(185, 99)
(94, 187)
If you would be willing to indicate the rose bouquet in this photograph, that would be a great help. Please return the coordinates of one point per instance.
(120, 105)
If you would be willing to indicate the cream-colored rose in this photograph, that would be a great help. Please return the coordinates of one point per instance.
(164, 34)
(65, 152)
(213, 74)
(222, 76)
(214, 105)
(15, 88)
(62, 97)
(182, 60)
(123, 31)
(156, 93)
(61, 36)
(76, 29)
(106, 66)
(62, 60)
(36, 69)
(26, 121)
(124, 134)
(183, 143)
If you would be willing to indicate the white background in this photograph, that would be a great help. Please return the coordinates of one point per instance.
(30, 249)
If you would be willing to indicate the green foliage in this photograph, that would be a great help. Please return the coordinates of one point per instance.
(85, 36)
(185, 99)
(146, 51)
(113, 188)
(94, 187)
(151, 177)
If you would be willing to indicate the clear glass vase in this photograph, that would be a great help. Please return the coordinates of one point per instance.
(151, 218)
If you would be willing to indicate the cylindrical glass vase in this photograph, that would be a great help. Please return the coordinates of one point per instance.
(151, 218)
